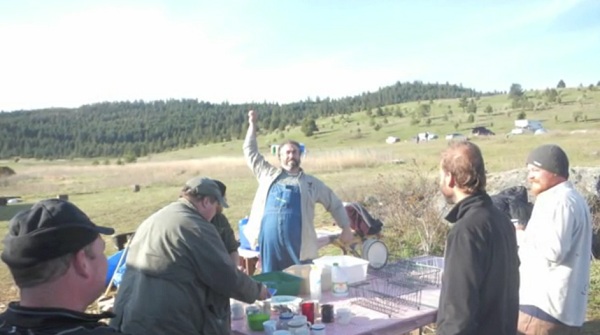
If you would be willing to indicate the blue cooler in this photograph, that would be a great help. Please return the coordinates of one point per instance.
(113, 261)
(244, 244)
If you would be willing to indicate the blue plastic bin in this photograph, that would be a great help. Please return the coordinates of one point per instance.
(244, 244)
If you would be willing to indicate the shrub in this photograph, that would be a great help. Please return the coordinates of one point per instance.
(410, 211)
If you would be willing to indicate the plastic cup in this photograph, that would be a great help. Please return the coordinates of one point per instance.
(344, 315)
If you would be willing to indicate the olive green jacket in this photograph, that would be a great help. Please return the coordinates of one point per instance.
(179, 277)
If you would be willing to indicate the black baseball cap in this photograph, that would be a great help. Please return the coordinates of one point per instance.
(50, 229)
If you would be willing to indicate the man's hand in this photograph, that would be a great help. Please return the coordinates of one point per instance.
(264, 293)
(252, 117)
(347, 235)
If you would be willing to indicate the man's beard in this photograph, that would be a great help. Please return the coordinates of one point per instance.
(293, 163)
(449, 199)
(448, 195)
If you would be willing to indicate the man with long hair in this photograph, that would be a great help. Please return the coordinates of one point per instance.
(480, 284)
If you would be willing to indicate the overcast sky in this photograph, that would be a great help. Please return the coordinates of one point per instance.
(67, 53)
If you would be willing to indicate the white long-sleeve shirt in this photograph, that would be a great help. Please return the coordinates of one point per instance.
(555, 253)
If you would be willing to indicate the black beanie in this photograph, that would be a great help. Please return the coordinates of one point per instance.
(551, 158)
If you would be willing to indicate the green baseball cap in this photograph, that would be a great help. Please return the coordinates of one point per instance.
(207, 186)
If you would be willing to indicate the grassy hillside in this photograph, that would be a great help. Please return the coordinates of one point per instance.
(350, 160)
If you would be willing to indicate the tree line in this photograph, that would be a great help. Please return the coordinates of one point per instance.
(139, 128)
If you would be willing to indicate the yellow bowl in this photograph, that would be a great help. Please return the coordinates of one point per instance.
(255, 321)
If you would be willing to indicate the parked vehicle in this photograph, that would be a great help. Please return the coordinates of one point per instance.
(427, 136)
(456, 137)
(482, 131)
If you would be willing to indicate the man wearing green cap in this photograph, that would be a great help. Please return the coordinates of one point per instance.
(179, 276)
(554, 249)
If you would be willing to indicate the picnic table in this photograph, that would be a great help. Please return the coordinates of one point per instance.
(367, 321)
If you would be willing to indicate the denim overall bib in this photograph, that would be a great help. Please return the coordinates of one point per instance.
(281, 230)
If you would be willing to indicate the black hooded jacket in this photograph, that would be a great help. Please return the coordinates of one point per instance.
(480, 284)
(18, 320)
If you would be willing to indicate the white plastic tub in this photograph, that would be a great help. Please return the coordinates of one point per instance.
(354, 268)
(303, 271)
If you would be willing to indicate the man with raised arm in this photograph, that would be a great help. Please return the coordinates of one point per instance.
(283, 211)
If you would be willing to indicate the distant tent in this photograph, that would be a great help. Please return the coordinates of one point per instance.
(392, 140)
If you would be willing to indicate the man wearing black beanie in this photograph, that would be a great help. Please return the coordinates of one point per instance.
(56, 257)
(555, 249)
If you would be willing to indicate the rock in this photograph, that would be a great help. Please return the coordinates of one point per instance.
(5, 171)
(585, 179)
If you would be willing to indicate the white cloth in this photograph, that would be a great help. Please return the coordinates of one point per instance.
(555, 253)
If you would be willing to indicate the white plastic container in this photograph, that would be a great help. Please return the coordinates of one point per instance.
(339, 281)
(354, 268)
(303, 271)
(315, 282)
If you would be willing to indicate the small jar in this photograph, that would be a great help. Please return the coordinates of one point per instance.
(252, 309)
(318, 329)
(284, 318)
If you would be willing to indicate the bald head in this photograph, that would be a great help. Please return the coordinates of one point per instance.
(463, 160)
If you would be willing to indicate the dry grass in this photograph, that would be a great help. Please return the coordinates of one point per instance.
(406, 191)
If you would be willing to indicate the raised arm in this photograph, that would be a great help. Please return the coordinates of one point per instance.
(255, 160)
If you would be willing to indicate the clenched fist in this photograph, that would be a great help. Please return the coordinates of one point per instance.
(252, 116)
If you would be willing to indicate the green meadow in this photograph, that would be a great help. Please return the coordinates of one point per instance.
(349, 153)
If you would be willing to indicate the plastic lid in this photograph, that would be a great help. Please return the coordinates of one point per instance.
(286, 315)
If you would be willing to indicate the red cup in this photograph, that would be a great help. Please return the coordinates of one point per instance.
(308, 310)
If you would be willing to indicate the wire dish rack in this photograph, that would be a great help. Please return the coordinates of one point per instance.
(395, 287)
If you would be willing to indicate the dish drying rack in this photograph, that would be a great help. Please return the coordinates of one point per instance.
(395, 287)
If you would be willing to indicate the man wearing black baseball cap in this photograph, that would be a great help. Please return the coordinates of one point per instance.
(56, 257)
(179, 276)
(554, 249)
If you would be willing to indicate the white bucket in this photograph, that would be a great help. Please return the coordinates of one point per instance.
(376, 252)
